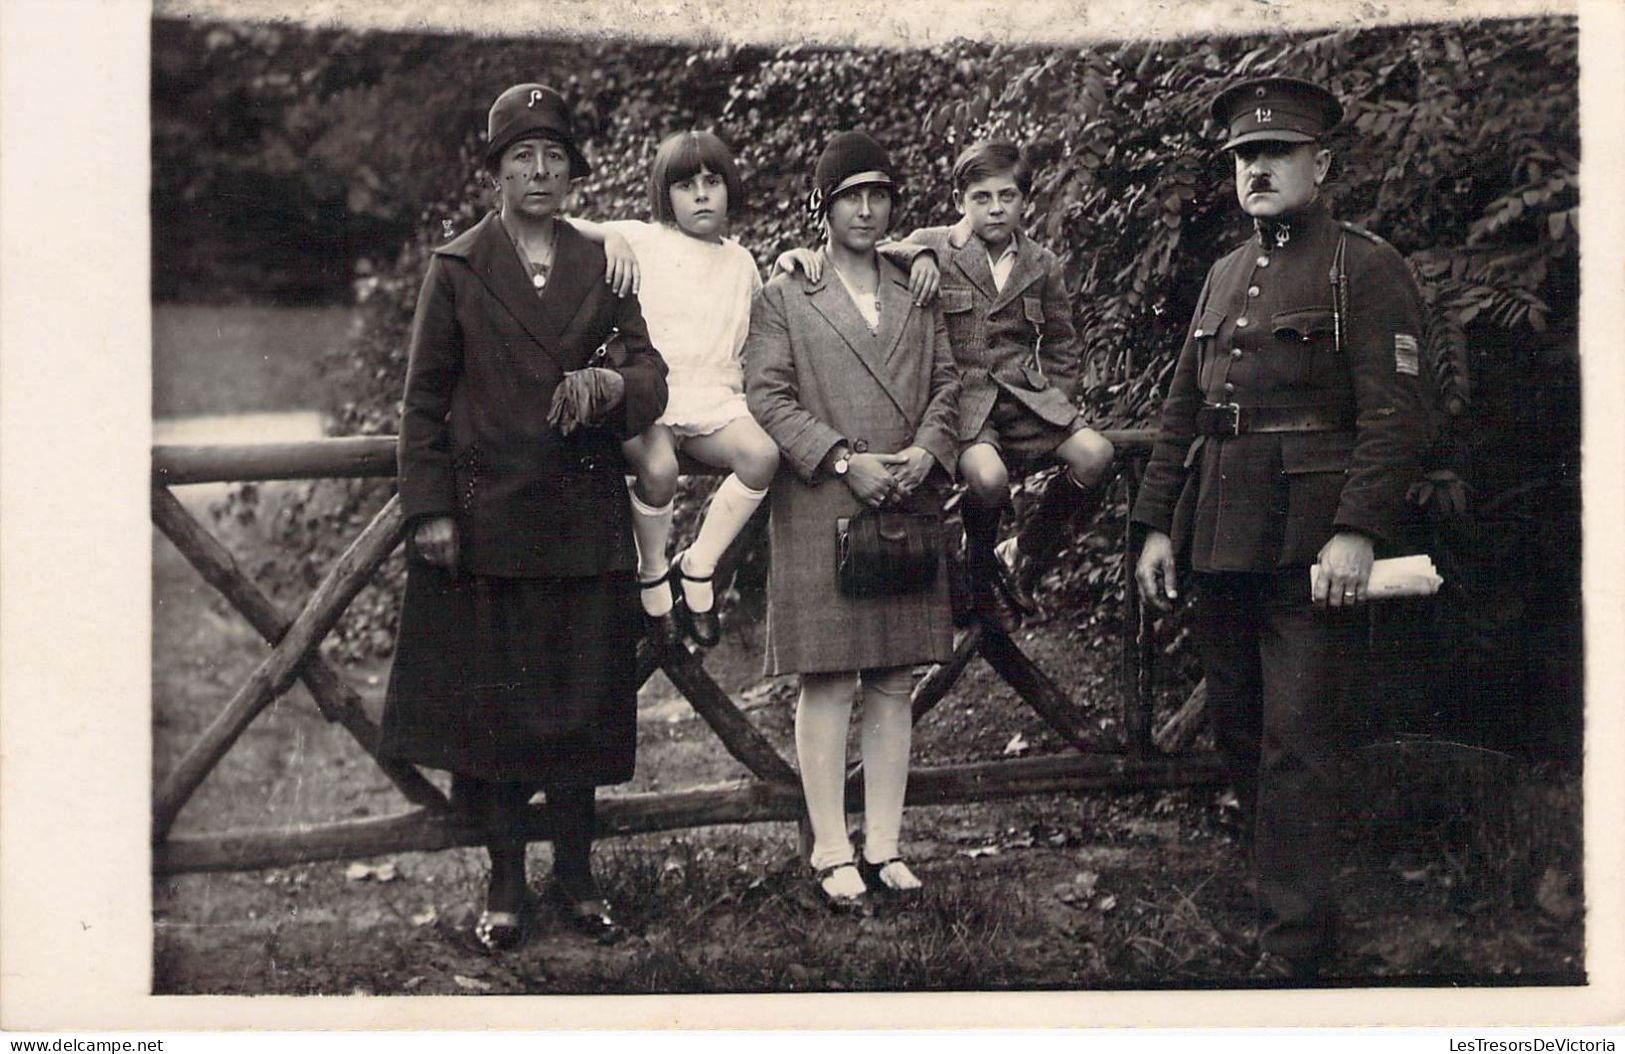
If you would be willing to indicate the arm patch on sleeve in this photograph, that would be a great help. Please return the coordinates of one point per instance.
(1407, 360)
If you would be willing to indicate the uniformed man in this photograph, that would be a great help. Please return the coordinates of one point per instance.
(1292, 428)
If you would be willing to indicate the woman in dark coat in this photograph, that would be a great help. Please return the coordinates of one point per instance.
(856, 383)
(514, 659)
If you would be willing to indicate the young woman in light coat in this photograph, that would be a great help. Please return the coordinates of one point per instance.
(856, 384)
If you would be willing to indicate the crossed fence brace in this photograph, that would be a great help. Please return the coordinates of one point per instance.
(774, 792)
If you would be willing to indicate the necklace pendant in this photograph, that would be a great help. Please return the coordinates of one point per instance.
(538, 280)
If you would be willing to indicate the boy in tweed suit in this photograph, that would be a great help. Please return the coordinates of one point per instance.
(1010, 326)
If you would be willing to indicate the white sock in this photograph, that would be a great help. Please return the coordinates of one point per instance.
(886, 733)
(822, 715)
(651, 527)
(731, 507)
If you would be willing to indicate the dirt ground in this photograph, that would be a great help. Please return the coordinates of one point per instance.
(1099, 891)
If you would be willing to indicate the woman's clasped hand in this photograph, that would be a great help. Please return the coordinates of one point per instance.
(878, 479)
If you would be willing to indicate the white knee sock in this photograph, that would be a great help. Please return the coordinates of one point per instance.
(886, 733)
(822, 715)
(651, 527)
(731, 506)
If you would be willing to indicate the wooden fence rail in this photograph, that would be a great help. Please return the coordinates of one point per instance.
(773, 794)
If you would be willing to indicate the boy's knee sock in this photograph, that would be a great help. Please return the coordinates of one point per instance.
(651, 527)
(887, 730)
(731, 508)
(822, 715)
(981, 531)
(1065, 500)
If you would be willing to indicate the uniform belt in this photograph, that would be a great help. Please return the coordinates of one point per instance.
(1231, 419)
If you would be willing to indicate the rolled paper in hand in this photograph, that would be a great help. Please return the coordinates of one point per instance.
(1403, 576)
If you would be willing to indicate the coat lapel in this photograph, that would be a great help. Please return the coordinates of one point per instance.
(492, 256)
(971, 259)
(571, 282)
(895, 305)
(1022, 274)
(830, 299)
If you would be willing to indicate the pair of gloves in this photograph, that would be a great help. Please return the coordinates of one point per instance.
(585, 397)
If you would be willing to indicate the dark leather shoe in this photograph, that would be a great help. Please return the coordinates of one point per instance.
(857, 904)
(589, 916)
(1018, 577)
(499, 930)
(662, 630)
(993, 607)
(875, 883)
(703, 627)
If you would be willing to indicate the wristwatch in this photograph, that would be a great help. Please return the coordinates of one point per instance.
(841, 464)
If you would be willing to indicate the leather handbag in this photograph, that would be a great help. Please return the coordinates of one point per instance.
(889, 552)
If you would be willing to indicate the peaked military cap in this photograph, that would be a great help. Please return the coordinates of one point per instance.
(532, 110)
(1285, 109)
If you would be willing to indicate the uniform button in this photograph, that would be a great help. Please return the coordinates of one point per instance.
(1229, 389)
(1235, 353)
(1252, 291)
(1241, 323)
(1263, 261)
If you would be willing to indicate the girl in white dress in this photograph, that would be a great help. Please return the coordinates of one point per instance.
(695, 286)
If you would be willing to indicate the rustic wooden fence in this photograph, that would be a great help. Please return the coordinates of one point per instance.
(1140, 761)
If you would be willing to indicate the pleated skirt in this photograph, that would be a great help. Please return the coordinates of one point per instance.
(527, 679)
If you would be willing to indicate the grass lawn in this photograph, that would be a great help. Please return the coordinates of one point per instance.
(237, 359)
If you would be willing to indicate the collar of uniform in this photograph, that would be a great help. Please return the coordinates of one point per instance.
(1296, 226)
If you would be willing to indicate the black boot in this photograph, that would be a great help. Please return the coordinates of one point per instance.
(574, 813)
(1065, 500)
(988, 595)
(501, 924)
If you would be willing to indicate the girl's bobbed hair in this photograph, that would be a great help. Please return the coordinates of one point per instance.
(681, 156)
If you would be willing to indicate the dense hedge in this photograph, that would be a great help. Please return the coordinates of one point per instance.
(1460, 146)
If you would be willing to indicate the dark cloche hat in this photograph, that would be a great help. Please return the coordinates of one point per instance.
(532, 110)
(1285, 109)
(851, 159)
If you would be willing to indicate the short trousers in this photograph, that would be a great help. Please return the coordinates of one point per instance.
(1019, 434)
